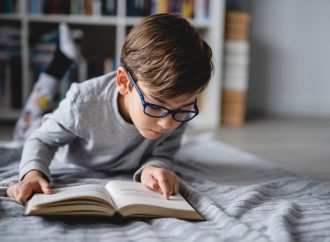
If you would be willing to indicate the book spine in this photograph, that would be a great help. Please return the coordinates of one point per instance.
(9, 6)
(89, 7)
(96, 8)
(109, 7)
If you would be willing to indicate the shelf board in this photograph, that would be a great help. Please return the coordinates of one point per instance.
(74, 19)
(130, 21)
(10, 16)
(9, 114)
(91, 20)
(198, 23)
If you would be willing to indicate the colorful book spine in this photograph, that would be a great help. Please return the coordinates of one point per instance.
(197, 9)
(73, 7)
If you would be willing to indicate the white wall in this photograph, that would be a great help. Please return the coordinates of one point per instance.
(290, 58)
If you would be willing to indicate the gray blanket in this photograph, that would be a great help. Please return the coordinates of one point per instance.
(242, 197)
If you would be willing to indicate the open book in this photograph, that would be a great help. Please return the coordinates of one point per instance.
(124, 197)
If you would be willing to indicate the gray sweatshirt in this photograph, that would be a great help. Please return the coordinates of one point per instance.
(87, 131)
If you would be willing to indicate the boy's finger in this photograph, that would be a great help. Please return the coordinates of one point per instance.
(150, 182)
(45, 187)
(9, 192)
(23, 196)
(176, 187)
(153, 185)
(164, 186)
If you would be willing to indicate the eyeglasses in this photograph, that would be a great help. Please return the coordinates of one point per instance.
(157, 111)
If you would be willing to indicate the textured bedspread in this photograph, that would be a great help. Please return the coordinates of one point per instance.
(242, 197)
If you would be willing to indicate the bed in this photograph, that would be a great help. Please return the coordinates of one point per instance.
(242, 197)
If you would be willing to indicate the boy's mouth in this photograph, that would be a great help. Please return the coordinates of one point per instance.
(156, 132)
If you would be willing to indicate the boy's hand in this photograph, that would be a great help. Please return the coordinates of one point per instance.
(33, 182)
(160, 180)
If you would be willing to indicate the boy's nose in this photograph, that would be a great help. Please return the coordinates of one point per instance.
(167, 122)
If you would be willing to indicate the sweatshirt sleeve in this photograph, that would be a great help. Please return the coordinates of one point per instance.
(58, 129)
(163, 153)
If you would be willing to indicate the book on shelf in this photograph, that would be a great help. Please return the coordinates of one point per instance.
(10, 83)
(109, 7)
(201, 9)
(123, 198)
(85, 69)
(191, 9)
(10, 67)
(9, 6)
(73, 7)
(140, 7)
(98, 66)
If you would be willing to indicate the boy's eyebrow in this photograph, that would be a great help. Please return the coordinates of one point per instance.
(188, 104)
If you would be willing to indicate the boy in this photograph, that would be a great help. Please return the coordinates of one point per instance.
(133, 118)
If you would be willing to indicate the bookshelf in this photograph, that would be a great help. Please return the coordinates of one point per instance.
(210, 26)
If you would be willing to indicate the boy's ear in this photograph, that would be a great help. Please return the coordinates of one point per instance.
(122, 81)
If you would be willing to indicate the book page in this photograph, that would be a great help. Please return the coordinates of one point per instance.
(97, 192)
(124, 193)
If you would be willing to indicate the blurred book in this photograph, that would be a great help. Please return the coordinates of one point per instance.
(73, 7)
(9, 6)
(10, 67)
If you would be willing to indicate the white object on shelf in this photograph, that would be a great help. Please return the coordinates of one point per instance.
(235, 46)
(236, 64)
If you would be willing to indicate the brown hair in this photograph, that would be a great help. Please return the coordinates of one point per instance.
(168, 55)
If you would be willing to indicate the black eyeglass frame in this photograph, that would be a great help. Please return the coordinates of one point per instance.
(145, 104)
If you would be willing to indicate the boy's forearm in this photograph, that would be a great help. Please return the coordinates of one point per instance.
(35, 156)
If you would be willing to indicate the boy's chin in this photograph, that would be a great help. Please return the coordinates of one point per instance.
(150, 134)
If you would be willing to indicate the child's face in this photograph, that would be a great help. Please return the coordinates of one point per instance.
(132, 109)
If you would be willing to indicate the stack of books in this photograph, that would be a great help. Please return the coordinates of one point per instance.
(9, 6)
(191, 9)
(235, 68)
(73, 7)
(10, 67)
